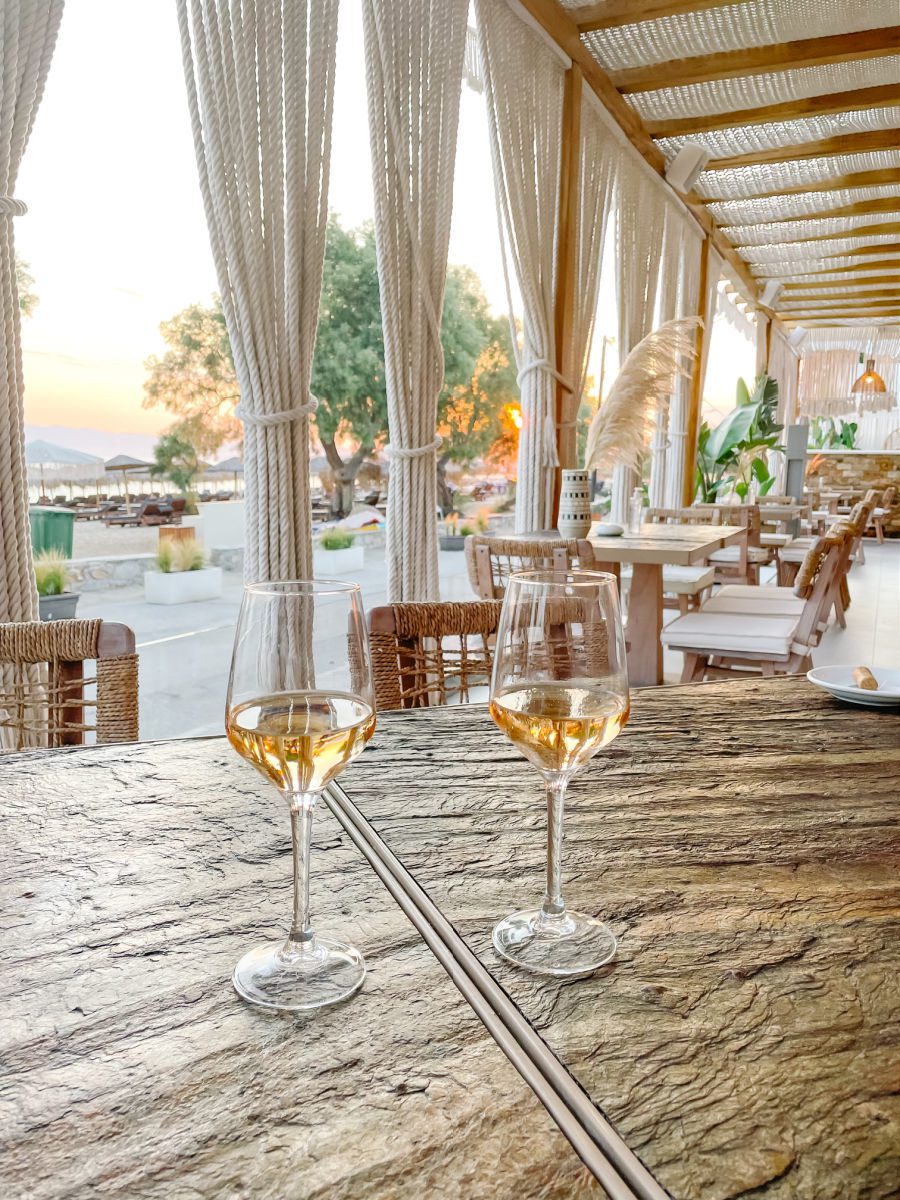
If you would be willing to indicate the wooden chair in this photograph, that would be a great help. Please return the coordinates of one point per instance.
(491, 560)
(882, 512)
(728, 640)
(43, 698)
(741, 561)
(684, 588)
(431, 653)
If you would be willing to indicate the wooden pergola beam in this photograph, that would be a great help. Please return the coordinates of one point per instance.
(695, 403)
(788, 110)
(883, 264)
(843, 143)
(852, 231)
(852, 297)
(779, 56)
(855, 179)
(566, 267)
(849, 313)
(862, 282)
(859, 208)
(559, 24)
(609, 14)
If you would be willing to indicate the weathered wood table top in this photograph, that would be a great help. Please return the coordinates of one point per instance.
(741, 839)
(667, 545)
(131, 880)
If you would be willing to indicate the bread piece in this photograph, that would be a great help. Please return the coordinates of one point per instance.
(863, 678)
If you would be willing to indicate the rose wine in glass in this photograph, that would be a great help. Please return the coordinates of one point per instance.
(300, 707)
(559, 691)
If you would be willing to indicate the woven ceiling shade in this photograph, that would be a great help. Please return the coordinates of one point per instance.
(863, 339)
(773, 87)
(797, 104)
(734, 27)
(738, 182)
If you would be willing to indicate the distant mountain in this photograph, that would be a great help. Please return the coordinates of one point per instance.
(94, 441)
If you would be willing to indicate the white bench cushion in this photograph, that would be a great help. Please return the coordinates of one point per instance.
(681, 581)
(775, 539)
(795, 551)
(730, 633)
(756, 601)
(732, 555)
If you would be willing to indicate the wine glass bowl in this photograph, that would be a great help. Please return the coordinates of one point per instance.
(300, 708)
(559, 691)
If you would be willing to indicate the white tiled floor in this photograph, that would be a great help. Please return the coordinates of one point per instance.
(872, 636)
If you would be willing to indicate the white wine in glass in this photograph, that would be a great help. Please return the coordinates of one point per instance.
(300, 708)
(559, 691)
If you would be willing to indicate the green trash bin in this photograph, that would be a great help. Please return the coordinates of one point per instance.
(52, 529)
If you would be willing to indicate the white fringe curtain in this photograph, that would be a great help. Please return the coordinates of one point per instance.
(640, 226)
(600, 154)
(523, 88)
(666, 310)
(688, 305)
(29, 29)
(260, 86)
(826, 377)
(414, 65)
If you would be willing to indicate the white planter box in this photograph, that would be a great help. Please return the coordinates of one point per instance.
(328, 563)
(182, 587)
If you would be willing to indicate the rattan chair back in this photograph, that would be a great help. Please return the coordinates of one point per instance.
(46, 696)
(491, 560)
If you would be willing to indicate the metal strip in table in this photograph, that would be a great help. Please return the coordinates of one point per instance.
(133, 877)
(742, 841)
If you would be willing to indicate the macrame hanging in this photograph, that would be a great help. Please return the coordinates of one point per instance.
(523, 87)
(29, 29)
(414, 65)
(260, 86)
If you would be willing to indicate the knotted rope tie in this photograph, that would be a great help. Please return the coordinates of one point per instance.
(549, 454)
(285, 417)
(10, 207)
(417, 452)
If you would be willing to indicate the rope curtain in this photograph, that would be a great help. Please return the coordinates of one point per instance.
(29, 35)
(523, 88)
(671, 268)
(640, 228)
(599, 156)
(414, 66)
(260, 88)
(679, 408)
(826, 377)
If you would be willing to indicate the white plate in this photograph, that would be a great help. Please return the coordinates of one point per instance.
(608, 530)
(839, 682)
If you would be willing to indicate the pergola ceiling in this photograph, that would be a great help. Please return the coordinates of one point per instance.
(803, 133)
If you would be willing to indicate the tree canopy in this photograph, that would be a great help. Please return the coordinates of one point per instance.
(195, 380)
(175, 458)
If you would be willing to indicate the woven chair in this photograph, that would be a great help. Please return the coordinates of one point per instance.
(491, 560)
(431, 653)
(43, 698)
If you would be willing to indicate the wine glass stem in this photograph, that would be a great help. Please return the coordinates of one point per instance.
(554, 906)
(301, 938)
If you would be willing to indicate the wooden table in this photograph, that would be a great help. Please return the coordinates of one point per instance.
(649, 551)
(740, 838)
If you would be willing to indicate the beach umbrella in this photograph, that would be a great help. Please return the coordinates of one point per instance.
(230, 466)
(125, 465)
(48, 462)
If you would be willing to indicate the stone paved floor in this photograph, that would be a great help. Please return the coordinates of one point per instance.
(186, 649)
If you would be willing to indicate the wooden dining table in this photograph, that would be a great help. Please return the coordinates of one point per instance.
(648, 552)
(741, 840)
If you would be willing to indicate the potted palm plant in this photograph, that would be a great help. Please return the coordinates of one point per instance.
(55, 601)
(182, 575)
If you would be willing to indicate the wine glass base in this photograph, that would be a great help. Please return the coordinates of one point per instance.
(572, 945)
(285, 982)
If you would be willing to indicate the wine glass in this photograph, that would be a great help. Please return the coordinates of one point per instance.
(559, 691)
(300, 707)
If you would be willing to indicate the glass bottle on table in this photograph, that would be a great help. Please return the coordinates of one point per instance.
(636, 511)
(300, 708)
(559, 691)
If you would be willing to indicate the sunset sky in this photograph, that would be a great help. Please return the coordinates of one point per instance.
(115, 235)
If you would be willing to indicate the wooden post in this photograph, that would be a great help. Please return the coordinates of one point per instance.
(566, 254)
(696, 401)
